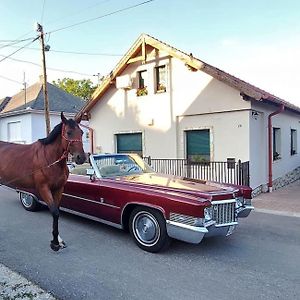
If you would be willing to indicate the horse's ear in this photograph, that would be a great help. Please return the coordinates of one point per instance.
(78, 118)
(63, 118)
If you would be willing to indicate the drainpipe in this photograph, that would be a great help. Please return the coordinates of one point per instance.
(270, 146)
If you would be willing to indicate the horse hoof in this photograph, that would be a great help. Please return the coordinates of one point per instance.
(62, 245)
(54, 247)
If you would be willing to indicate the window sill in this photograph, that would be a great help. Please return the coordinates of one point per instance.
(160, 91)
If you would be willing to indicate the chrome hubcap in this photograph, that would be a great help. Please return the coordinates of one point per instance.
(146, 228)
(26, 199)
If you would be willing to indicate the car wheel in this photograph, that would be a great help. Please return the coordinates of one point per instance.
(29, 202)
(148, 228)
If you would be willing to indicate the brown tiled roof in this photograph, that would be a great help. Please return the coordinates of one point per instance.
(247, 90)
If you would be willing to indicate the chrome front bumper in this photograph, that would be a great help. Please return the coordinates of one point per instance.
(195, 234)
(244, 211)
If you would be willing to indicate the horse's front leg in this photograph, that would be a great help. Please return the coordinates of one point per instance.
(53, 205)
(57, 194)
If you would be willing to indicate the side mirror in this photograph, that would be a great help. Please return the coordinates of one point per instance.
(90, 172)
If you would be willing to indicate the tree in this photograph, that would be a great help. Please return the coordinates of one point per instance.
(81, 88)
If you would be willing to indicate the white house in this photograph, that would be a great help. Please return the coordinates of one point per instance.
(22, 118)
(161, 102)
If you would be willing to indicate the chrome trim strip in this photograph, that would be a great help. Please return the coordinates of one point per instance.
(209, 223)
(223, 201)
(119, 226)
(226, 224)
(185, 226)
(93, 201)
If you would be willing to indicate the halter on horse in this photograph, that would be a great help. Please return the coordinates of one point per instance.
(41, 166)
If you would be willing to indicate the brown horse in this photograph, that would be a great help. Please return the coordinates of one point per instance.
(42, 166)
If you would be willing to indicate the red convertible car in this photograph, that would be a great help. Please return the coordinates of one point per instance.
(123, 191)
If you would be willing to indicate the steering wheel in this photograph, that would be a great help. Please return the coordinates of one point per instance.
(136, 168)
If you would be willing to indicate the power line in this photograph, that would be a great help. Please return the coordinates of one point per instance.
(78, 12)
(86, 53)
(43, 10)
(49, 68)
(75, 52)
(100, 17)
(14, 42)
(5, 57)
(6, 78)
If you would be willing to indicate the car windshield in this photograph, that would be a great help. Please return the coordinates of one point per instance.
(119, 165)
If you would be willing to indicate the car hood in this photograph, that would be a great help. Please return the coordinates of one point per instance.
(183, 184)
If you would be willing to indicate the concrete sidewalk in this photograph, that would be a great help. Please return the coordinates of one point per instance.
(285, 201)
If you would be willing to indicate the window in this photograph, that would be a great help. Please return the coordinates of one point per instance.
(129, 143)
(142, 83)
(14, 131)
(293, 141)
(198, 145)
(161, 83)
(276, 144)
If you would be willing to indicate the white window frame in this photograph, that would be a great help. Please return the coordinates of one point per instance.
(293, 141)
(276, 143)
(14, 132)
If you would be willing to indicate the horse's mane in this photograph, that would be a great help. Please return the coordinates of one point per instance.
(56, 132)
(52, 135)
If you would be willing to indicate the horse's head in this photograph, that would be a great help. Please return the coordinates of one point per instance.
(72, 139)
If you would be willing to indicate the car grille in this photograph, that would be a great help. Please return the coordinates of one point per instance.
(223, 212)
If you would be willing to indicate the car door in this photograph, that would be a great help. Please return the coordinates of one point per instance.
(91, 198)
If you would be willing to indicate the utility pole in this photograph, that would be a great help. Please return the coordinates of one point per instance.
(39, 29)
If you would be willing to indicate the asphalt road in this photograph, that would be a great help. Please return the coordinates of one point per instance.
(261, 260)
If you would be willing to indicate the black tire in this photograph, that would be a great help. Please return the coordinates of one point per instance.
(29, 202)
(147, 226)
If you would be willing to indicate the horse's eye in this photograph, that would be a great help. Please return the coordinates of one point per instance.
(69, 133)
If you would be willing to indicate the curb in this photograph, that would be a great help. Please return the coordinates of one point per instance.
(279, 213)
(15, 286)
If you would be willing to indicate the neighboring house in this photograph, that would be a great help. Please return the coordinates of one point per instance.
(22, 118)
(162, 102)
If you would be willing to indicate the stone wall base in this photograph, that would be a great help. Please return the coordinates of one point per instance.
(278, 182)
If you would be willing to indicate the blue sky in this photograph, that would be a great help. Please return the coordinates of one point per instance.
(257, 41)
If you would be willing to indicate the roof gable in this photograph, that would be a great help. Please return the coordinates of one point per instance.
(138, 52)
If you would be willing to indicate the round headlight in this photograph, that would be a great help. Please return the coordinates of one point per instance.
(239, 201)
(207, 213)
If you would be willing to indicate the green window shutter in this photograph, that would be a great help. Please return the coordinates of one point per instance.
(198, 144)
(131, 142)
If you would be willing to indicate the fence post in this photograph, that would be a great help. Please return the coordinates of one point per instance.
(240, 172)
